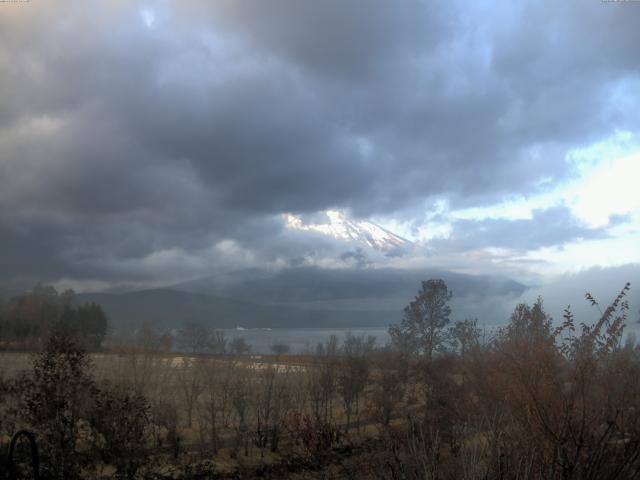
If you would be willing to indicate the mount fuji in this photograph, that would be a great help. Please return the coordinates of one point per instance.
(337, 225)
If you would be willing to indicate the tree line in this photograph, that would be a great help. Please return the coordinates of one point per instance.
(27, 320)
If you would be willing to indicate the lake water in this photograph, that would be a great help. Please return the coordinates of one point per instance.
(304, 340)
(300, 340)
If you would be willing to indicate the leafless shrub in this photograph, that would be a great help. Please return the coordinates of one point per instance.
(189, 378)
(353, 374)
(240, 390)
(165, 416)
(315, 436)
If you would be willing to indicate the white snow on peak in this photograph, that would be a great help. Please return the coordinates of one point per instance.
(340, 227)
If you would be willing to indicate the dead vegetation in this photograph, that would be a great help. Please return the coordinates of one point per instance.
(538, 401)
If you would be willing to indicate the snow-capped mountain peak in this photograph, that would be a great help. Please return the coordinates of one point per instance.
(340, 227)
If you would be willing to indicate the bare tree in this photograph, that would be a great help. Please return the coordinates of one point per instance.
(194, 336)
(240, 400)
(465, 334)
(165, 416)
(262, 406)
(322, 379)
(239, 346)
(189, 378)
(354, 373)
(280, 348)
(218, 343)
(215, 407)
(390, 384)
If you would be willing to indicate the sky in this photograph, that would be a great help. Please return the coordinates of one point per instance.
(146, 143)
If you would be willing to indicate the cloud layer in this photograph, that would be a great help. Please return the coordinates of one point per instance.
(141, 143)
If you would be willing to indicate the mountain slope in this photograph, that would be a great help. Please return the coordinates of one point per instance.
(169, 308)
(313, 284)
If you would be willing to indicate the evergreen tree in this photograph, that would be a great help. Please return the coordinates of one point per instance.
(56, 397)
(423, 328)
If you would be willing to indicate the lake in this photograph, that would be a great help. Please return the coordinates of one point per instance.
(300, 340)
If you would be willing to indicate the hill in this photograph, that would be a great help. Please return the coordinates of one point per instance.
(169, 308)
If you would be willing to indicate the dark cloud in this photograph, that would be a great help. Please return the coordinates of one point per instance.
(134, 150)
(357, 256)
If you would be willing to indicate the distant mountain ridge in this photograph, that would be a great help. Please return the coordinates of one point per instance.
(313, 284)
(294, 297)
(170, 308)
